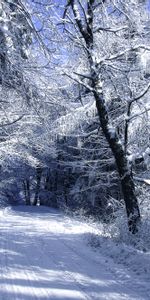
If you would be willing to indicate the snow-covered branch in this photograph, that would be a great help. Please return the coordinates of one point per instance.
(108, 29)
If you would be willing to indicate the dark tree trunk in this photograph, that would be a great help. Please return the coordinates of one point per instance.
(3, 50)
(28, 192)
(38, 182)
(26, 186)
(124, 171)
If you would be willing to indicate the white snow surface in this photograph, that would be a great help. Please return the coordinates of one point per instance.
(45, 255)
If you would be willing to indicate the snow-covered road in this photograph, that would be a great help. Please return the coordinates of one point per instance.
(44, 255)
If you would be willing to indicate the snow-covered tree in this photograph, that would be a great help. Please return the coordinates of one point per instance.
(109, 37)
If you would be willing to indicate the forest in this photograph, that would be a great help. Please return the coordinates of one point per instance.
(74, 107)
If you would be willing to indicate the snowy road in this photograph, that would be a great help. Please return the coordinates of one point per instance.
(43, 255)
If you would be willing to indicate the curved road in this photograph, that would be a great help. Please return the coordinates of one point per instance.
(43, 255)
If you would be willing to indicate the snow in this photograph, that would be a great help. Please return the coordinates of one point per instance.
(112, 131)
(45, 255)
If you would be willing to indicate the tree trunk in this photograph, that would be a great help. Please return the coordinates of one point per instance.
(3, 50)
(38, 182)
(124, 171)
(28, 192)
(26, 186)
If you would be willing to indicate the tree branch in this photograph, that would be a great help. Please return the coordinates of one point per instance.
(79, 81)
(114, 30)
(10, 123)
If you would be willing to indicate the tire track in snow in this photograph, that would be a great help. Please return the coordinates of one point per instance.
(8, 275)
(29, 274)
(41, 254)
(55, 253)
(68, 275)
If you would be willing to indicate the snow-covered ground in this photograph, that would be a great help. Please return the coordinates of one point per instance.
(45, 255)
